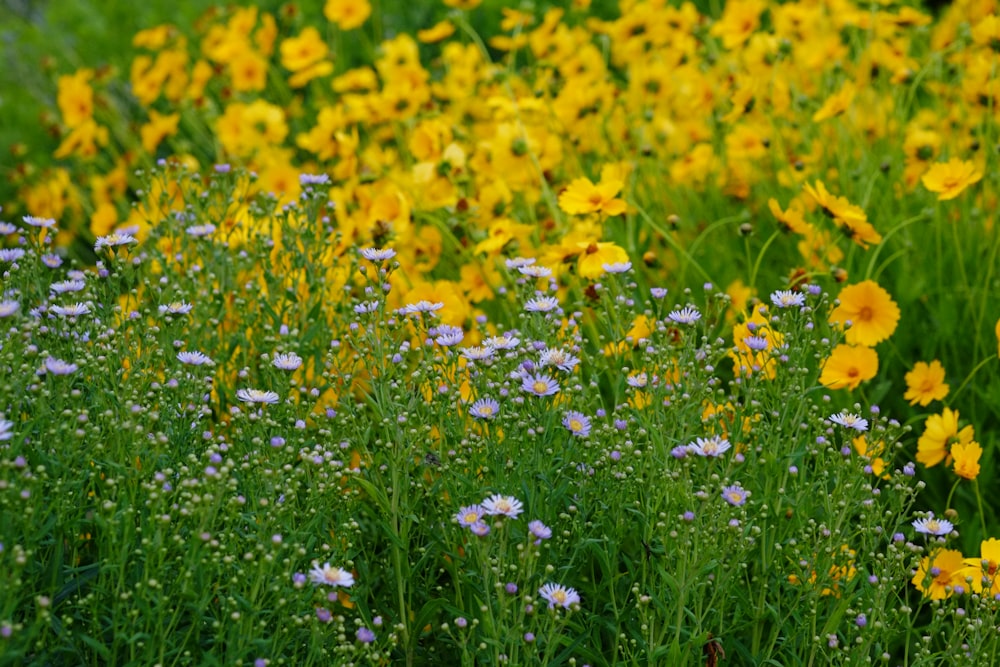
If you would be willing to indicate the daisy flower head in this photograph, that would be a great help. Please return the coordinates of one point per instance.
(175, 308)
(559, 596)
(330, 576)
(200, 230)
(52, 260)
(686, 315)
(756, 343)
(194, 358)
(448, 335)
(9, 307)
(484, 408)
(113, 240)
(932, 526)
(313, 179)
(366, 307)
(539, 531)
(478, 353)
(287, 361)
(658, 292)
(72, 310)
(539, 385)
(35, 221)
(561, 359)
(378, 254)
(535, 271)
(735, 495)
(11, 254)
(850, 420)
(542, 304)
(577, 423)
(7, 228)
(499, 505)
(502, 342)
(59, 367)
(713, 447)
(64, 286)
(519, 262)
(6, 430)
(257, 396)
(422, 306)
(617, 267)
(470, 515)
(786, 298)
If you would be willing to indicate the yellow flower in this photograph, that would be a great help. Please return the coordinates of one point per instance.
(925, 383)
(940, 573)
(76, 98)
(583, 196)
(836, 104)
(157, 129)
(437, 32)
(739, 20)
(596, 255)
(299, 53)
(347, 14)
(998, 338)
(983, 570)
(967, 459)
(848, 366)
(872, 313)
(941, 434)
(949, 179)
(872, 453)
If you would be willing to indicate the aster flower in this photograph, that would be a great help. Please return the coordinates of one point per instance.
(366, 307)
(477, 353)
(313, 179)
(7, 228)
(686, 315)
(539, 385)
(60, 367)
(72, 310)
(378, 254)
(542, 304)
(870, 310)
(932, 526)
(788, 299)
(257, 396)
(499, 505)
(533, 271)
(484, 408)
(194, 358)
(52, 260)
(638, 380)
(176, 308)
(8, 307)
(422, 306)
(200, 230)
(518, 262)
(470, 515)
(925, 383)
(577, 423)
(617, 267)
(34, 221)
(11, 254)
(559, 596)
(849, 420)
(448, 335)
(502, 342)
(331, 576)
(712, 447)
(287, 361)
(559, 358)
(6, 430)
(658, 292)
(756, 343)
(114, 240)
(539, 531)
(65, 286)
(735, 495)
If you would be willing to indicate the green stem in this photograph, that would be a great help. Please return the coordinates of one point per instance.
(969, 377)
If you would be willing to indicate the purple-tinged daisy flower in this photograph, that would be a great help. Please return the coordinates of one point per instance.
(6, 430)
(11, 254)
(60, 367)
(364, 635)
(786, 298)
(194, 358)
(52, 260)
(933, 526)
(448, 335)
(287, 361)
(518, 262)
(470, 515)
(542, 304)
(658, 292)
(849, 420)
(114, 240)
(7, 228)
(577, 423)
(507, 506)
(756, 343)
(422, 306)
(713, 447)
(535, 271)
(34, 221)
(559, 358)
(478, 353)
(559, 596)
(735, 495)
(65, 286)
(330, 576)
(638, 380)
(366, 307)
(484, 408)
(8, 307)
(686, 315)
(378, 254)
(257, 396)
(200, 230)
(539, 385)
(502, 342)
(176, 308)
(313, 179)
(540, 531)
(481, 529)
(617, 267)
(72, 310)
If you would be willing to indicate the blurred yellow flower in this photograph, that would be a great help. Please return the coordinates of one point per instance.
(925, 383)
(304, 56)
(157, 129)
(998, 338)
(596, 255)
(437, 32)
(462, 4)
(739, 20)
(870, 310)
(75, 98)
(949, 179)
(836, 104)
(347, 14)
(848, 366)
(967, 459)
(941, 434)
(583, 197)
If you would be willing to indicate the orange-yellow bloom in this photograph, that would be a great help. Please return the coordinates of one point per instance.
(941, 434)
(949, 179)
(967, 459)
(870, 310)
(836, 104)
(583, 197)
(848, 366)
(925, 383)
(347, 14)
(983, 570)
(939, 573)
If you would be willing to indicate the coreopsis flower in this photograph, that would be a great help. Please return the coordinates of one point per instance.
(984, 570)
(347, 14)
(583, 196)
(939, 573)
(949, 179)
(836, 104)
(966, 457)
(436, 33)
(596, 255)
(848, 366)
(925, 383)
(739, 20)
(870, 310)
(940, 434)
(558, 595)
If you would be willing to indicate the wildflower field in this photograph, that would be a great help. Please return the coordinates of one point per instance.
(485, 333)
